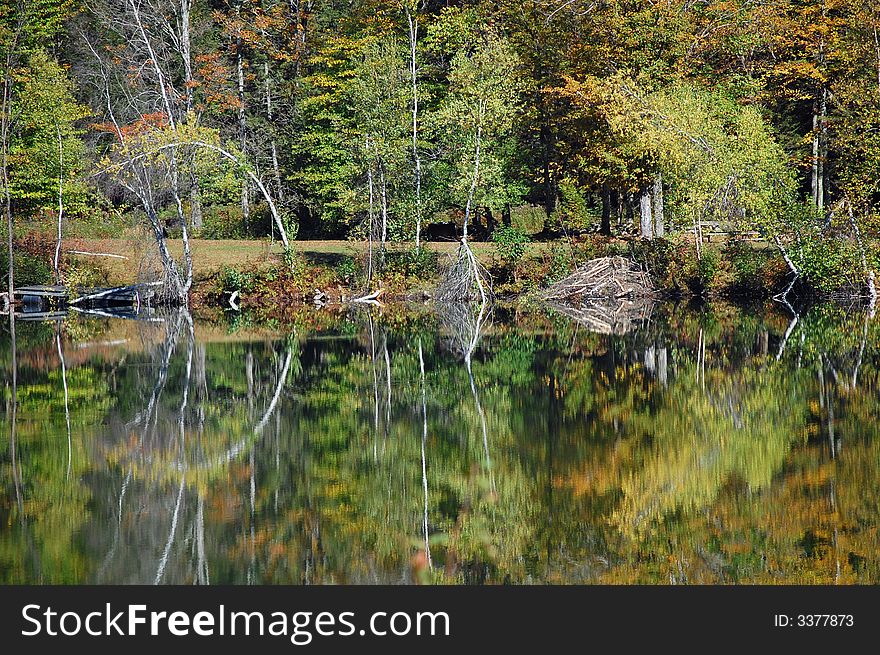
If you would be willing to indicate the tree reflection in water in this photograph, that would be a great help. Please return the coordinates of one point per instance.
(706, 445)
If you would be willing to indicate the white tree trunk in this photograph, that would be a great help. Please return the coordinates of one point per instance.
(242, 132)
(57, 261)
(417, 161)
(474, 181)
(659, 227)
(647, 224)
(273, 145)
(383, 194)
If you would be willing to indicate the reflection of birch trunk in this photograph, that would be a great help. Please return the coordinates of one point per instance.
(825, 404)
(253, 515)
(467, 361)
(855, 375)
(791, 325)
(375, 388)
(202, 575)
(66, 401)
(163, 562)
(701, 360)
(117, 533)
(169, 345)
(249, 376)
(387, 384)
(275, 396)
(832, 440)
(662, 366)
(424, 449)
(185, 399)
(13, 411)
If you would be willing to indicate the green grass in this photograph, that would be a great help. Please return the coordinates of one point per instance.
(211, 256)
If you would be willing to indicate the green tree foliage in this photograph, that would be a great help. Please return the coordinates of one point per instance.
(475, 123)
(47, 150)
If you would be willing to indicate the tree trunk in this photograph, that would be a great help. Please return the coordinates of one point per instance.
(647, 225)
(473, 187)
(273, 145)
(823, 151)
(549, 187)
(195, 201)
(605, 226)
(383, 195)
(7, 196)
(490, 221)
(417, 161)
(372, 221)
(242, 132)
(628, 200)
(659, 227)
(877, 50)
(57, 260)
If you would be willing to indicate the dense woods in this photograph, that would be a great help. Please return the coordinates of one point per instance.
(693, 146)
(296, 119)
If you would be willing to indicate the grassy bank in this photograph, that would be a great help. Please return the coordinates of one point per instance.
(269, 279)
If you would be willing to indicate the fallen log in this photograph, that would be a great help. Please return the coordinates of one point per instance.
(96, 254)
(372, 298)
(107, 294)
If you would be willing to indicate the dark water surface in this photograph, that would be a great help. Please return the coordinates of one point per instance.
(707, 445)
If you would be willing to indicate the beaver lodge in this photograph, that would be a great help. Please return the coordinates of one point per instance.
(608, 295)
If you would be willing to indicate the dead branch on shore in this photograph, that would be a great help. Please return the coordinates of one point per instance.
(466, 279)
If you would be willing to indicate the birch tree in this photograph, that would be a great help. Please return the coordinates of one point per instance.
(475, 121)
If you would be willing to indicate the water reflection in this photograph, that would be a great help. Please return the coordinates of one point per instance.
(461, 445)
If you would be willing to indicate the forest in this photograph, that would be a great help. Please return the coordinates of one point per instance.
(604, 125)
(248, 160)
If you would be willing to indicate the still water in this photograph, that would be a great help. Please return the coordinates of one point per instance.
(711, 444)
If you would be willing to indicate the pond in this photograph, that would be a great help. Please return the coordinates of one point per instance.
(709, 444)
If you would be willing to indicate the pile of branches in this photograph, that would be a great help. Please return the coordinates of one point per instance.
(602, 317)
(605, 278)
(608, 295)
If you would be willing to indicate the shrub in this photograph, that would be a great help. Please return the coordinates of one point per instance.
(33, 255)
(661, 257)
(85, 275)
(28, 269)
(348, 270)
(573, 211)
(231, 279)
(510, 244)
(422, 263)
(747, 267)
(561, 263)
(707, 268)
